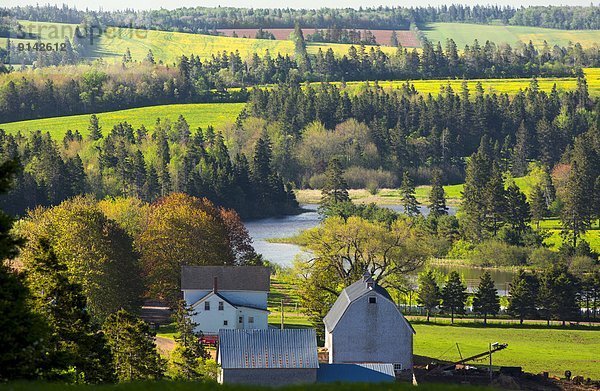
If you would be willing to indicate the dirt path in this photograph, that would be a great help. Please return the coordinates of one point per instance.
(165, 345)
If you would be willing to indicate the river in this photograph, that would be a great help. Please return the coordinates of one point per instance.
(288, 226)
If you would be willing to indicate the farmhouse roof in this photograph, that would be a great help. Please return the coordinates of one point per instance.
(229, 278)
(270, 348)
(350, 294)
(231, 303)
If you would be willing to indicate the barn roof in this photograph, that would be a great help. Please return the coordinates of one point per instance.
(229, 278)
(356, 373)
(348, 295)
(270, 348)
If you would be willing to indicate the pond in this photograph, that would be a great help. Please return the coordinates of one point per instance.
(288, 226)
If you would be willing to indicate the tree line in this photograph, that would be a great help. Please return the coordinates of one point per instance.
(199, 19)
(144, 164)
(94, 88)
(553, 294)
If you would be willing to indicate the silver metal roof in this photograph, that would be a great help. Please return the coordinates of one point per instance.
(348, 295)
(229, 278)
(289, 348)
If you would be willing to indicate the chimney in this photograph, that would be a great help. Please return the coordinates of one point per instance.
(215, 285)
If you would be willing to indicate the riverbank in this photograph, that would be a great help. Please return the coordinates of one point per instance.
(383, 196)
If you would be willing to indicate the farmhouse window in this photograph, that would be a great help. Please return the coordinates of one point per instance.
(225, 323)
(251, 319)
(241, 320)
(207, 306)
(372, 300)
(221, 306)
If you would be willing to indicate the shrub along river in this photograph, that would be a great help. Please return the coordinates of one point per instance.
(288, 226)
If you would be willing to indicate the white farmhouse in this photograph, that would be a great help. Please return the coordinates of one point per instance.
(227, 297)
(364, 325)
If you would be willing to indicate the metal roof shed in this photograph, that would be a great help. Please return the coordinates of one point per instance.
(356, 373)
(268, 357)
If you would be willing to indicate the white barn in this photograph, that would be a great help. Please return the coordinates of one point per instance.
(227, 297)
(364, 325)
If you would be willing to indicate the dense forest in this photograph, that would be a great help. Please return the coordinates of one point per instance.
(402, 130)
(203, 19)
(146, 164)
(67, 90)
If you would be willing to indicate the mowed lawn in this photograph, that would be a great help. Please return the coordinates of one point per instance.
(196, 114)
(535, 349)
(464, 34)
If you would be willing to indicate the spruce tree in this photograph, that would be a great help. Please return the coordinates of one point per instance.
(486, 300)
(21, 331)
(409, 201)
(454, 295)
(74, 341)
(94, 128)
(437, 197)
(133, 349)
(517, 213)
(428, 294)
(335, 189)
(189, 351)
(539, 209)
(474, 205)
(522, 296)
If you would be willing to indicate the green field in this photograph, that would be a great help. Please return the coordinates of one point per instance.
(464, 34)
(168, 46)
(196, 114)
(535, 349)
(509, 86)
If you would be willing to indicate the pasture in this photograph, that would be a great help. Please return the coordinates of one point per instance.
(167, 46)
(464, 34)
(196, 114)
(535, 348)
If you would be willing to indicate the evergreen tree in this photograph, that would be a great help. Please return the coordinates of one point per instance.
(474, 205)
(335, 189)
(578, 209)
(74, 341)
(409, 201)
(189, 352)
(94, 128)
(132, 345)
(522, 295)
(454, 295)
(486, 300)
(21, 331)
(437, 197)
(517, 213)
(428, 294)
(539, 209)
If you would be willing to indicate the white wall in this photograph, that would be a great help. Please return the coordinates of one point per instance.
(370, 332)
(211, 321)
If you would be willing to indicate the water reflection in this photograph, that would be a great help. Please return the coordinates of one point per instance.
(288, 226)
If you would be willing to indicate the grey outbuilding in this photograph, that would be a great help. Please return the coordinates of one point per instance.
(269, 357)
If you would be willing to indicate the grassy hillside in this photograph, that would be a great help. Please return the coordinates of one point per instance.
(196, 114)
(464, 34)
(167, 46)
